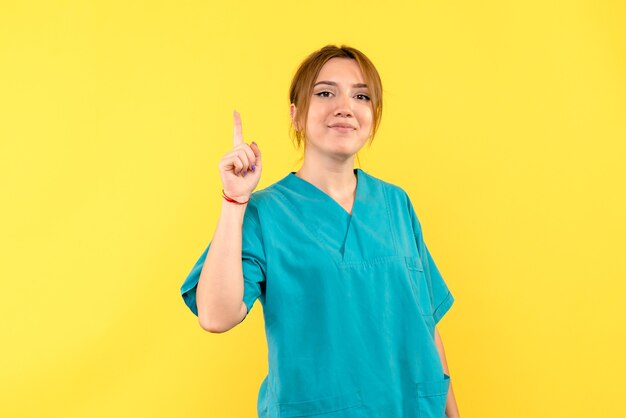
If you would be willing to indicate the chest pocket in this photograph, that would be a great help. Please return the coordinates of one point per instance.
(419, 284)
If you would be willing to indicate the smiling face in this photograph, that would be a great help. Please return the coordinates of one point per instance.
(340, 116)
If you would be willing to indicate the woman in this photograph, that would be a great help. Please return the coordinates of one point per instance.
(351, 295)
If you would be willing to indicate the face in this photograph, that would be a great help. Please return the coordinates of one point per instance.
(340, 115)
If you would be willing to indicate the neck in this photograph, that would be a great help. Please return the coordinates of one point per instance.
(337, 178)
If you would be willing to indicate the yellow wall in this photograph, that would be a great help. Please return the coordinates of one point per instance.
(505, 122)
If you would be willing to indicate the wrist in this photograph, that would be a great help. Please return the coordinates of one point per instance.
(236, 200)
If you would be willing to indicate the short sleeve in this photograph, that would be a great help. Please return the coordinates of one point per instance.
(253, 264)
(440, 296)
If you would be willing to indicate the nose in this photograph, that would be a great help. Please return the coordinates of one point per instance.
(344, 106)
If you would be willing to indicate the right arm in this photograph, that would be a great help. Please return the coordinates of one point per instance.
(219, 296)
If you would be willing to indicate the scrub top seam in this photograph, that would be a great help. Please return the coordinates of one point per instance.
(263, 267)
(390, 220)
(260, 226)
(443, 307)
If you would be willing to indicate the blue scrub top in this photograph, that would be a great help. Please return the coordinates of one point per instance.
(350, 302)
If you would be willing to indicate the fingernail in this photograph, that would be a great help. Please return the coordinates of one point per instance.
(252, 167)
(254, 142)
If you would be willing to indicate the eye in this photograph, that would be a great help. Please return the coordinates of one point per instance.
(363, 97)
(323, 93)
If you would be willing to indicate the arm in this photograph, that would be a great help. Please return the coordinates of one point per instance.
(452, 411)
(219, 296)
(220, 288)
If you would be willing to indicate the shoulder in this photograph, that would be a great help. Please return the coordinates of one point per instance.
(397, 198)
(264, 196)
(265, 200)
(393, 192)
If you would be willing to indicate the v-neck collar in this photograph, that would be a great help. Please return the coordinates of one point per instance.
(349, 238)
(308, 185)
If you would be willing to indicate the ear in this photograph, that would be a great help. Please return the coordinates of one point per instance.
(293, 112)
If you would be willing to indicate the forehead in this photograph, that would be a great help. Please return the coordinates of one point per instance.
(341, 70)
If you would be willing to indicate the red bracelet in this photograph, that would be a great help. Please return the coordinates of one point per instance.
(233, 200)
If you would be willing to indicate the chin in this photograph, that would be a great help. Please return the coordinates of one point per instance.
(346, 152)
(340, 146)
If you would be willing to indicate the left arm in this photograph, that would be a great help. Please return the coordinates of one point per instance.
(452, 411)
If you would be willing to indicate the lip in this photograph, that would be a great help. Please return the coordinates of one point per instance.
(342, 126)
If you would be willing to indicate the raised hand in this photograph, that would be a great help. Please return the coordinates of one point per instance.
(240, 168)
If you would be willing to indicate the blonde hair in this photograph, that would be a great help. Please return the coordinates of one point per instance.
(301, 87)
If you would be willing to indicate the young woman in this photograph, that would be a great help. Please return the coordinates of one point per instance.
(351, 295)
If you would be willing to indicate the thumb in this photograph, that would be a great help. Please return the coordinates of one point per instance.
(257, 153)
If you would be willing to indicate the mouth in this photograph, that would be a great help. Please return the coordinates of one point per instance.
(342, 127)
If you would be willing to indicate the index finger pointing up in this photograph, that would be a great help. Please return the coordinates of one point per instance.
(237, 135)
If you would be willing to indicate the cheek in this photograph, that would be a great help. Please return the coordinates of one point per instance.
(316, 119)
(367, 116)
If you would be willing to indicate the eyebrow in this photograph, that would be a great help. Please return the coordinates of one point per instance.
(332, 83)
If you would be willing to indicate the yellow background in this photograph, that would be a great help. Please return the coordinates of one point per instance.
(505, 122)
